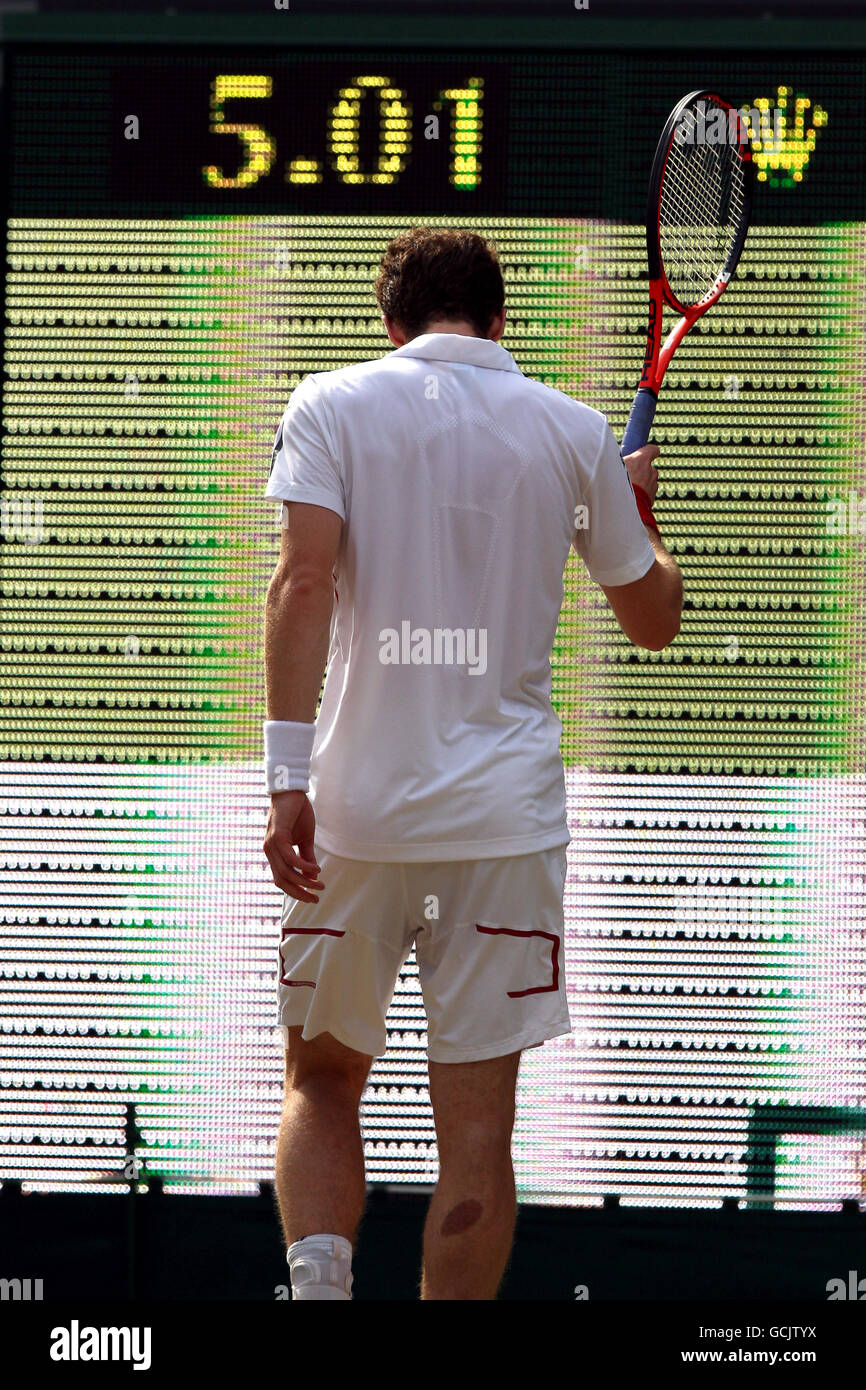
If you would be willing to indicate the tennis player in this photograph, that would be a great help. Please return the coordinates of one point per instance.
(429, 501)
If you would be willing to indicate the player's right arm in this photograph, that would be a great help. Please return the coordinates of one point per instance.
(649, 609)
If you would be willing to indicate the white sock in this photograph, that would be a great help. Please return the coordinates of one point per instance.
(321, 1267)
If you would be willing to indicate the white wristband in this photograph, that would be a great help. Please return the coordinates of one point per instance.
(288, 750)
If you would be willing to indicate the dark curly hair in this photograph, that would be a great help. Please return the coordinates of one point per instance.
(431, 273)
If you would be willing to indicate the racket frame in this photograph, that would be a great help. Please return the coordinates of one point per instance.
(657, 355)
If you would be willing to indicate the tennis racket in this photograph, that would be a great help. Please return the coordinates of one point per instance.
(700, 199)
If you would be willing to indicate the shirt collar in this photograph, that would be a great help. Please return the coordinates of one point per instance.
(458, 347)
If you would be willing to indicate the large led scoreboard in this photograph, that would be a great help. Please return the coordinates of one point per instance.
(190, 231)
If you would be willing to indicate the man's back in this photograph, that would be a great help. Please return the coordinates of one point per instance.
(462, 484)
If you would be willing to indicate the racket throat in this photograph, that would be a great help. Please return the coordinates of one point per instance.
(649, 379)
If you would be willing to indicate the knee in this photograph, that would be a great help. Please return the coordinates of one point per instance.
(321, 1066)
(473, 1108)
(481, 1143)
(320, 1081)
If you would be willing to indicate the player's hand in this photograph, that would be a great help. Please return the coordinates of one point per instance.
(292, 822)
(641, 469)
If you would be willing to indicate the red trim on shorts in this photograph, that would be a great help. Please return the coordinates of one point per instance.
(303, 931)
(554, 962)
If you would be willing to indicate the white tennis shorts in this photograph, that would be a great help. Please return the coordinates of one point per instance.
(488, 937)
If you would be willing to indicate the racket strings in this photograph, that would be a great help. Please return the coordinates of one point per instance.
(701, 209)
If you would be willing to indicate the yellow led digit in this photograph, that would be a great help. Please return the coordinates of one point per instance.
(258, 146)
(395, 132)
(466, 132)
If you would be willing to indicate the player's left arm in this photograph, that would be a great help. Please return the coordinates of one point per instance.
(298, 610)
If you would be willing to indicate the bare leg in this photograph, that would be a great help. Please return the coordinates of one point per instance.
(470, 1225)
(320, 1156)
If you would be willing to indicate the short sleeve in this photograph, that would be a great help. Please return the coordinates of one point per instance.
(304, 467)
(609, 535)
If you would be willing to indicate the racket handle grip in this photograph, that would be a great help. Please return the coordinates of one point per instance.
(640, 420)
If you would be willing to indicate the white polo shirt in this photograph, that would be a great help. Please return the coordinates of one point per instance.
(462, 485)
